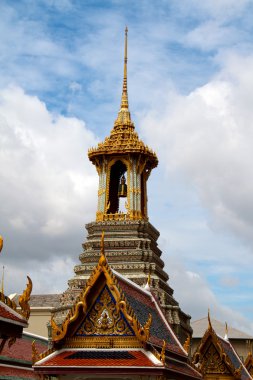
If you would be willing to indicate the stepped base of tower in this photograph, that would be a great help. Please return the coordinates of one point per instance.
(131, 249)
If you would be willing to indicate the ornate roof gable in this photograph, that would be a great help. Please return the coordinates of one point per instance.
(101, 315)
(215, 355)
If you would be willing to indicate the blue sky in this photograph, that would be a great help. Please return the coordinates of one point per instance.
(190, 94)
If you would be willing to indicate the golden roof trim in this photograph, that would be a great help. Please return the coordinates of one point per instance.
(141, 332)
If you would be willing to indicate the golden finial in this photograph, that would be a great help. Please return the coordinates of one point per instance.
(209, 320)
(1, 243)
(102, 243)
(147, 286)
(102, 259)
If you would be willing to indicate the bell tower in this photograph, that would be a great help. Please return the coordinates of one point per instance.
(124, 163)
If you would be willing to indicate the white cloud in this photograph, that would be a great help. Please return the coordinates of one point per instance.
(204, 142)
(223, 10)
(212, 35)
(46, 180)
(208, 137)
(195, 295)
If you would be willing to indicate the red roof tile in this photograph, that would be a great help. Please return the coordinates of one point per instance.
(22, 348)
(7, 314)
(62, 359)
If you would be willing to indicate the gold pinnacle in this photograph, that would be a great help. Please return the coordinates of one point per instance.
(124, 98)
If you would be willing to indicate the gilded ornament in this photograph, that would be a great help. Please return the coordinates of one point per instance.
(162, 356)
(25, 298)
(35, 353)
(187, 344)
(1, 243)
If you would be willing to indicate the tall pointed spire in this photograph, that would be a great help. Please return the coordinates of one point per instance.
(124, 98)
(124, 117)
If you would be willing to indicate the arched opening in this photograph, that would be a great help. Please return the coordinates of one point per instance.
(117, 177)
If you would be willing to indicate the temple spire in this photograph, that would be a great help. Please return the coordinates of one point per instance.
(124, 117)
(124, 98)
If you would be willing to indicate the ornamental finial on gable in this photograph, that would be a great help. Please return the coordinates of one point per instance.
(210, 327)
(226, 331)
(102, 260)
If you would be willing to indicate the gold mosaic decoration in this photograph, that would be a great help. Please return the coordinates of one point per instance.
(105, 319)
(118, 319)
(212, 362)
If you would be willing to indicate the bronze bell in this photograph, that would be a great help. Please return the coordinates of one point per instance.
(122, 192)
